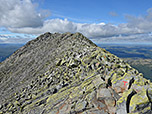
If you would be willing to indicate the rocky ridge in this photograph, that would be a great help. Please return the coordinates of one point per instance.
(68, 74)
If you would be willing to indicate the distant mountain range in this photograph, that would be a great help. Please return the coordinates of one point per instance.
(7, 49)
(129, 50)
(142, 65)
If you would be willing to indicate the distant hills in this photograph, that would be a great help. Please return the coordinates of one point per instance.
(7, 49)
(133, 51)
(143, 65)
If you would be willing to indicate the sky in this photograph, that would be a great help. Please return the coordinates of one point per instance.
(102, 21)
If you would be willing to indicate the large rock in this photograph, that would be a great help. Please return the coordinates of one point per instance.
(68, 74)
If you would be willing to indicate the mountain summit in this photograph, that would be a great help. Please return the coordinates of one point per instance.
(68, 74)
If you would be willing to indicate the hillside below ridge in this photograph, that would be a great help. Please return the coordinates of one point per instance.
(68, 74)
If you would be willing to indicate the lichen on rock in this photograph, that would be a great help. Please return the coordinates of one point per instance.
(68, 74)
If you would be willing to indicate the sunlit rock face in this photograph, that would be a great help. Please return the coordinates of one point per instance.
(68, 74)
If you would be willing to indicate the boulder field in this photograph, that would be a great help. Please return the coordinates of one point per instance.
(68, 74)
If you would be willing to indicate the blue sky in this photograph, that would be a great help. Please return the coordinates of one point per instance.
(95, 11)
(102, 21)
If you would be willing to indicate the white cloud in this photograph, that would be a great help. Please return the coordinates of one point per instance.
(19, 13)
(3, 39)
(21, 16)
(89, 30)
(101, 32)
(53, 25)
(15, 38)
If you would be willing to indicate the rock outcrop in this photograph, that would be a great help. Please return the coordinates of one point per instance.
(68, 74)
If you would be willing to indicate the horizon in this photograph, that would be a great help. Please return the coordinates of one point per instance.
(102, 21)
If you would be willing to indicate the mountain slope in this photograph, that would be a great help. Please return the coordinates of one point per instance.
(67, 73)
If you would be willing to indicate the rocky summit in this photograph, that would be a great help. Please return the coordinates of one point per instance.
(68, 74)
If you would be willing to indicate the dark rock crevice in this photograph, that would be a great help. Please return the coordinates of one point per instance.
(109, 83)
(131, 82)
(129, 99)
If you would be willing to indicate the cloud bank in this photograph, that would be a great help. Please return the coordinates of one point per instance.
(15, 38)
(22, 16)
